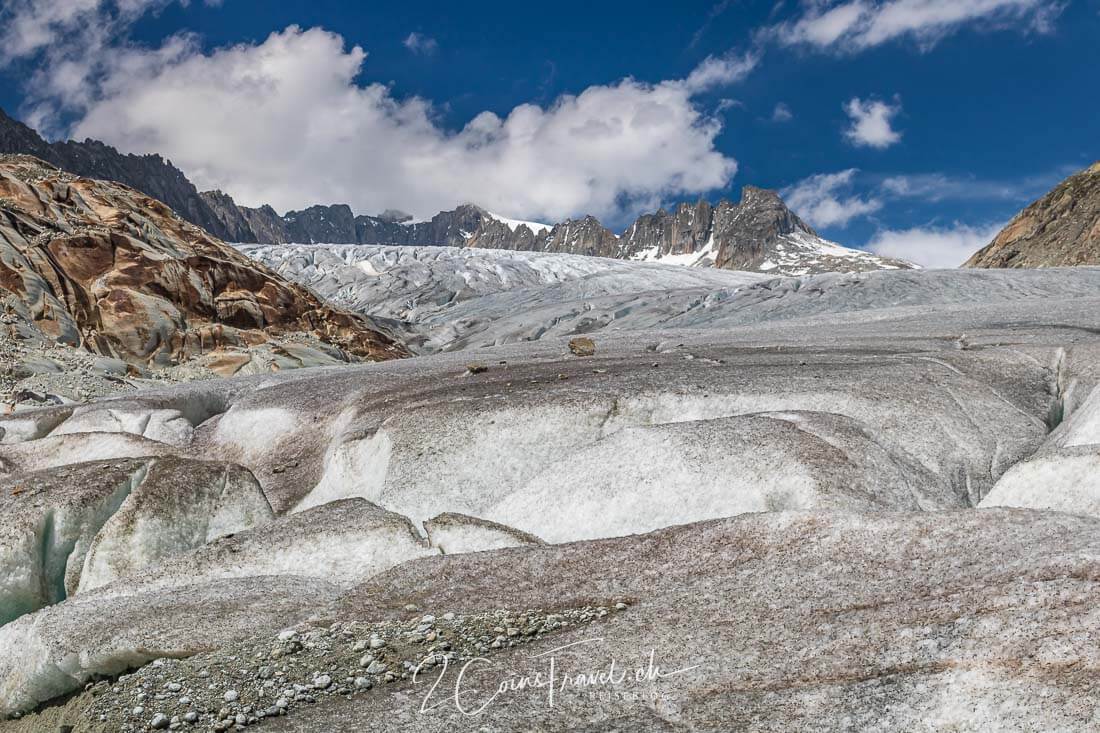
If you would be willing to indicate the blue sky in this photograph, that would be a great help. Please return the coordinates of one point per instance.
(967, 110)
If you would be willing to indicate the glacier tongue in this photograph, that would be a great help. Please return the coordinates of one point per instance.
(849, 424)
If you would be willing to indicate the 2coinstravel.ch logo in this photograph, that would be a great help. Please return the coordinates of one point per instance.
(476, 684)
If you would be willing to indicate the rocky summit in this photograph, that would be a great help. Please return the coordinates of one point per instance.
(1059, 230)
(758, 234)
(98, 267)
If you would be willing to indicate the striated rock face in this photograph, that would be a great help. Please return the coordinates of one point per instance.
(150, 174)
(98, 265)
(1061, 229)
(748, 234)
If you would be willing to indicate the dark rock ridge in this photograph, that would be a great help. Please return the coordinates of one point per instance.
(150, 174)
(757, 234)
(1060, 229)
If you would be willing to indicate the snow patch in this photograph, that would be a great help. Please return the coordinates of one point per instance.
(252, 432)
(515, 224)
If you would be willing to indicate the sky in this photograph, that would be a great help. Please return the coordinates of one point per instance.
(914, 128)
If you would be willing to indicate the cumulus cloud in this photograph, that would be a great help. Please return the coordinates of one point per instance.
(74, 41)
(421, 44)
(782, 113)
(871, 123)
(29, 25)
(934, 246)
(826, 199)
(286, 122)
(855, 25)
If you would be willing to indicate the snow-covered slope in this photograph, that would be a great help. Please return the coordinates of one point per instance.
(515, 224)
(454, 297)
(793, 254)
(849, 425)
(801, 253)
(447, 298)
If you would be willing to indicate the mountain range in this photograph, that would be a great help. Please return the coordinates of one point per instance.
(759, 233)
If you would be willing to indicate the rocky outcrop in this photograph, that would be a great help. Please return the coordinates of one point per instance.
(758, 234)
(150, 174)
(98, 265)
(1062, 229)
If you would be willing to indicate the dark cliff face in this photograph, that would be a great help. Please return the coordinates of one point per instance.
(266, 225)
(150, 174)
(1062, 229)
(321, 224)
(232, 217)
(748, 232)
(683, 231)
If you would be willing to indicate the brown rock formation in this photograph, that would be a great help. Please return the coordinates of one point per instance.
(99, 265)
(1062, 229)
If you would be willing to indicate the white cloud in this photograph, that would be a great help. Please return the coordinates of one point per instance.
(934, 246)
(285, 122)
(73, 42)
(856, 25)
(871, 123)
(717, 71)
(823, 199)
(421, 44)
(938, 187)
(782, 113)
